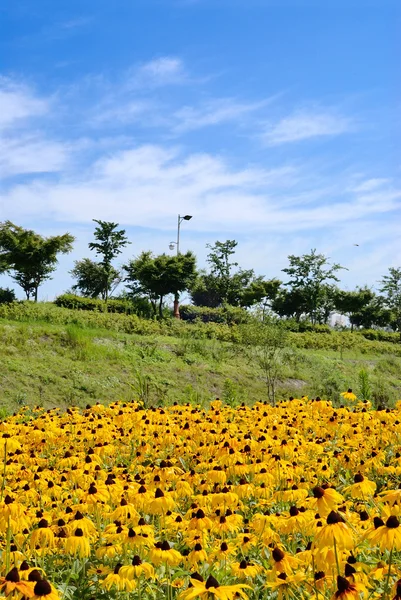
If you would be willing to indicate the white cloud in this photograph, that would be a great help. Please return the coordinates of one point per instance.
(213, 113)
(303, 125)
(18, 103)
(120, 113)
(165, 70)
(31, 155)
(146, 185)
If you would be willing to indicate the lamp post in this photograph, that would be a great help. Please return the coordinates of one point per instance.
(177, 245)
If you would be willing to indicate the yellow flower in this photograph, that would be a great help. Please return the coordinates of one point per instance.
(44, 590)
(78, 544)
(335, 532)
(245, 569)
(212, 589)
(361, 488)
(115, 580)
(386, 536)
(347, 590)
(162, 553)
(348, 395)
(326, 500)
(11, 583)
(136, 569)
(161, 503)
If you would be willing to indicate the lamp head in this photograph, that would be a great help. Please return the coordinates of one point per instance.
(171, 245)
(187, 217)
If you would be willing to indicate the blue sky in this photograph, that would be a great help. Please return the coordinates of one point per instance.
(275, 123)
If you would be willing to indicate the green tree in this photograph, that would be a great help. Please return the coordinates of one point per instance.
(158, 276)
(225, 285)
(90, 277)
(391, 288)
(310, 274)
(265, 343)
(354, 303)
(109, 244)
(30, 258)
(290, 303)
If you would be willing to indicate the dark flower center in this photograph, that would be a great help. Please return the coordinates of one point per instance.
(318, 492)
(278, 554)
(342, 585)
(392, 522)
(334, 518)
(42, 588)
(211, 582)
(13, 575)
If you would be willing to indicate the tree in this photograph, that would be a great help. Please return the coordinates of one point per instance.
(90, 277)
(109, 244)
(223, 286)
(260, 291)
(28, 257)
(158, 276)
(265, 343)
(310, 274)
(353, 303)
(391, 288)
(290, 303)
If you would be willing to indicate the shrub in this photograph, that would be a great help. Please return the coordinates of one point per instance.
(224, 314)
(7, 296)
(138, 306)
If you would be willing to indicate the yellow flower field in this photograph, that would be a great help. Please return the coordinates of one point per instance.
(298, 501)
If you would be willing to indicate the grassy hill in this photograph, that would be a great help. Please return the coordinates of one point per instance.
(53, 356)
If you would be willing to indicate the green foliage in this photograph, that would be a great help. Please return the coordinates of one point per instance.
(224, 314)
(224, 285)
(310, 277)
(29, 257)
(157, 276)
(365, 388)
(109, 244)
(265, 343)
(127, 306)
(91, 277)
(7, 296)
(391, 288)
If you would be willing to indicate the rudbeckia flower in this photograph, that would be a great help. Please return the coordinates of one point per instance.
(211, 589)
(11, 584)
(162, 553)
(244, 569)
(43, 590)
(77, 544)
(361, 488)
(335, 532)
(347, 590)
(348, 395)
(136, 569)
(386, 536)
(326, 500)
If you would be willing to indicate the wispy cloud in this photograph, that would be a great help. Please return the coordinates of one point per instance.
(17, 103)
(213, 112)
(165, 70)
(304, 125)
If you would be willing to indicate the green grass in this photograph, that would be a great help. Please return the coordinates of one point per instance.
(54, 358)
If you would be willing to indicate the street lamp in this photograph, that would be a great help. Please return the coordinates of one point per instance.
(171, 246)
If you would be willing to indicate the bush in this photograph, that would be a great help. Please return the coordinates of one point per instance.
(7, 296)
(225, 314)
(138, 306)
(305, 326)
(380, 335)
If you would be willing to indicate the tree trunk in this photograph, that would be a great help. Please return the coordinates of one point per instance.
(36, 293)
(161, 307)
(177, 306)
